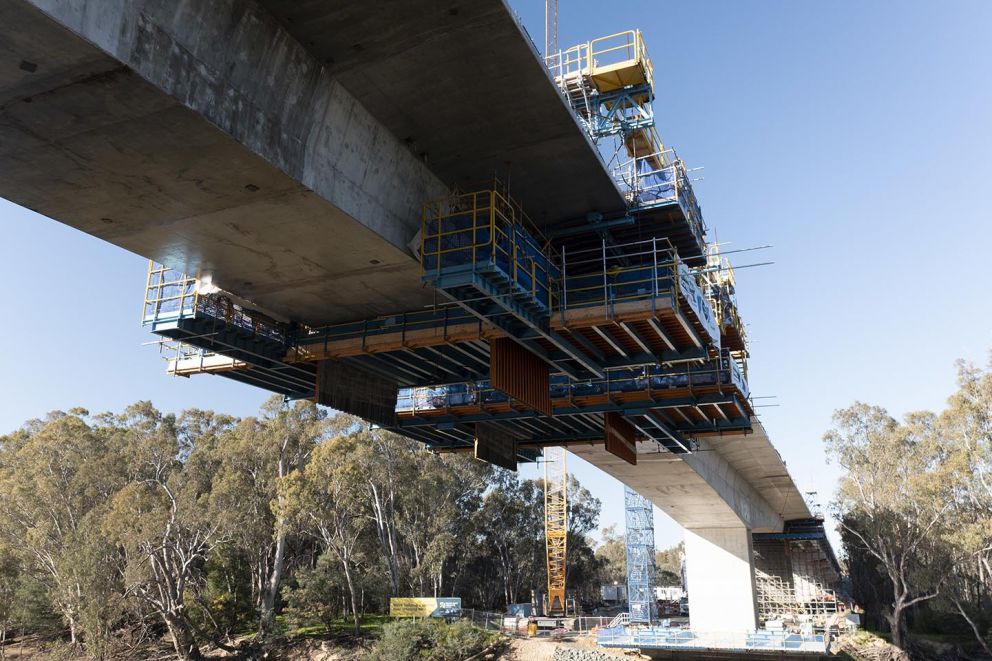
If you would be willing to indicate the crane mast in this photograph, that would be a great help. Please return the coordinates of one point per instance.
(550, 27)
(555, 526)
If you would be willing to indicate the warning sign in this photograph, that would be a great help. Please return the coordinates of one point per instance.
(425, 606)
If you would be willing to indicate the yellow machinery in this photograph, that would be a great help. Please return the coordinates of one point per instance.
(555, 526)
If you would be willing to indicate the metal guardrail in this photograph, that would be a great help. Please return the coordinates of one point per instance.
(171, 295)
(615, 51)
(677, 638)
(723, 372)
(482, 231)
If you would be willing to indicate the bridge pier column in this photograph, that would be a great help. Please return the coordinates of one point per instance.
(720, 579)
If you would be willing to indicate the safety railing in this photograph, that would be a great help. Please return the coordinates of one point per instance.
(658, 179)
(678, 638)
(223, 308)
(720, 288)
(569, 65)
(621, 619)
(169, 294)
(651, 380)
(609, 53)
(609, 274)
(314, 339)
(623, 49)
(184, 359)
(485, 231)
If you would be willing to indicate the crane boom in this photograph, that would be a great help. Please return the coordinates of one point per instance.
(555, 526)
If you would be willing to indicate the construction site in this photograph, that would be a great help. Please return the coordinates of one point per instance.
(517, 291)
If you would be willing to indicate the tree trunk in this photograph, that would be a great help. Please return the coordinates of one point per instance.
(183, 638)
(268, 616)
(351, 593)
(272, 586)
(897, 624)
(73, 637)
(974, 628)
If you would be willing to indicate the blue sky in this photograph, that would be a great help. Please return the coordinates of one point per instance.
(853, 136)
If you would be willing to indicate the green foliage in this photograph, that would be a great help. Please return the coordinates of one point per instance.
(915, 506)
(429, 640)
(612, 554)
(223, 605)
(139, 528)
(317, 595)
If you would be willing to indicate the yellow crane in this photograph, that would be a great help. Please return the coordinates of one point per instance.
(555, 526)
(555, 475)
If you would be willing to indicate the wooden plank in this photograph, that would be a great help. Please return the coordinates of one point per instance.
(520, 374)
(621, 437)
(495, 445)
(470, 331)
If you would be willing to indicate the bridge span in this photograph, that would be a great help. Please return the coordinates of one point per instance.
(412, 220)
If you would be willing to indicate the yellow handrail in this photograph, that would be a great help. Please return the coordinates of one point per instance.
(494, 215)
(155, 290)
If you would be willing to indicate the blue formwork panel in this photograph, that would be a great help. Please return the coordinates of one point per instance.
(632, 283)
(722, 372)
(512, 259)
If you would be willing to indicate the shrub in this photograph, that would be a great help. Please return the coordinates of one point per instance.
(429, 640)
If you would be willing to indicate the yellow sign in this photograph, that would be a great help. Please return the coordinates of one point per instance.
(424, 606)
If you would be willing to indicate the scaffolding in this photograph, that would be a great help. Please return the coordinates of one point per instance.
(583, 329)
(483, 240)
(720, 285)
(609, 83)
(640, 557)
(793, 579)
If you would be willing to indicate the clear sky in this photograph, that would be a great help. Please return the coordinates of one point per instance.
(853, 136)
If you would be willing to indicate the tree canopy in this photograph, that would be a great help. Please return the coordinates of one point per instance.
(915, 508)
(128, 529)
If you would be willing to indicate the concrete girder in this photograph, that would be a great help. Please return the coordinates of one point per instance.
(203, 135)
(729, 481)
(210, 137)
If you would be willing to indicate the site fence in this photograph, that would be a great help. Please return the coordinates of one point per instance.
(483, 619)
(675, 638)
(585, 624)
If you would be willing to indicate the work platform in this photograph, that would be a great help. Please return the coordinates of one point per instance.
(609, 82)
(620, 337)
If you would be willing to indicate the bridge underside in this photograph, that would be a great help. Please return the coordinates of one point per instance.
(728, 482)
(210, 138)
(286, 155)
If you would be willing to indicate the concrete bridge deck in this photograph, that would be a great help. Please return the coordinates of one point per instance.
(248, 143)
(282, 151)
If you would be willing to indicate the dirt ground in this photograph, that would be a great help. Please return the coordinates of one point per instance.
(543, 649)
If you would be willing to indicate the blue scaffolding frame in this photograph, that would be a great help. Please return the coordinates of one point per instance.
(640, 557)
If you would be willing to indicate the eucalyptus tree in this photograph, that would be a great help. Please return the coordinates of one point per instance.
(160, 520)
(56, 476)
(324, 501)
(893, 500)
(966, 429)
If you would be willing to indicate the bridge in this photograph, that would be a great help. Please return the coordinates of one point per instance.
(423, 221)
